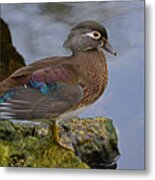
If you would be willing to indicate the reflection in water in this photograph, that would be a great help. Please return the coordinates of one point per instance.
(38, 31)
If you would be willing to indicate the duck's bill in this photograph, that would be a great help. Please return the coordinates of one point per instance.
(109, 48)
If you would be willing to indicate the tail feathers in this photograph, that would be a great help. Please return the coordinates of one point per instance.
(6, 116)
(3, 102)
(6, 96)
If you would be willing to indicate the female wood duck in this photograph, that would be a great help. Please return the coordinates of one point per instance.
(59, 88)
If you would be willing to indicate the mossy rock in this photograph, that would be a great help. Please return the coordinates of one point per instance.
(30, 145)
(20, 146)
(94, 140)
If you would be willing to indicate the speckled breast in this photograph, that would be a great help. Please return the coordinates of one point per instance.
(95, 67)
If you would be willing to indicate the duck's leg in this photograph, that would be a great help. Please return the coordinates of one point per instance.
(65, 143)
(55, 131)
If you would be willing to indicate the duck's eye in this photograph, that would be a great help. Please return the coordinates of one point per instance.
(95, 35)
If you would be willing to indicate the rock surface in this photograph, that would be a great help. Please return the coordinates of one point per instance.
(26, 145)
(94, 141)
(10, 59)
(30, 145)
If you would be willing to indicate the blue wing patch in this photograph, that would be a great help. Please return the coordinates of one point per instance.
(43, 87)
(6, 96)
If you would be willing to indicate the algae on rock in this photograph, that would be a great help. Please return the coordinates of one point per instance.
(95, 141)
(30, 145)
(20, 146)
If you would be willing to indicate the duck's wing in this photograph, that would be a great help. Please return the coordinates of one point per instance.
(47, 70)
(28, 103)
(41, 91)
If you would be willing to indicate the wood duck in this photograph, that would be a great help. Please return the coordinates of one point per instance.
(59, 88)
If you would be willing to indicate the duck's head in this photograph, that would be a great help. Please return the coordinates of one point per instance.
(88, 35)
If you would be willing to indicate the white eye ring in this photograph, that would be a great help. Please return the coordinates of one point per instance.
(94, 34)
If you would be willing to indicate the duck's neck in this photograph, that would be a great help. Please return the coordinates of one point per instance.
(93, 63)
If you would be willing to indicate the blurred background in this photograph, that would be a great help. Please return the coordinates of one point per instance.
(39, 30)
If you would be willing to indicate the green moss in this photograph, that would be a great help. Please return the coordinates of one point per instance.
(21, 147)
(31, 145)
(95, 141)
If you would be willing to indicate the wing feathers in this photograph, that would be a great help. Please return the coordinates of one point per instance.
(29, 103)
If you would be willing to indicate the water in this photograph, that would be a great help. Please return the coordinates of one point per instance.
(38, 31)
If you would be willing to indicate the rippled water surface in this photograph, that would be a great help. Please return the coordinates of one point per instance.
(38, 31)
